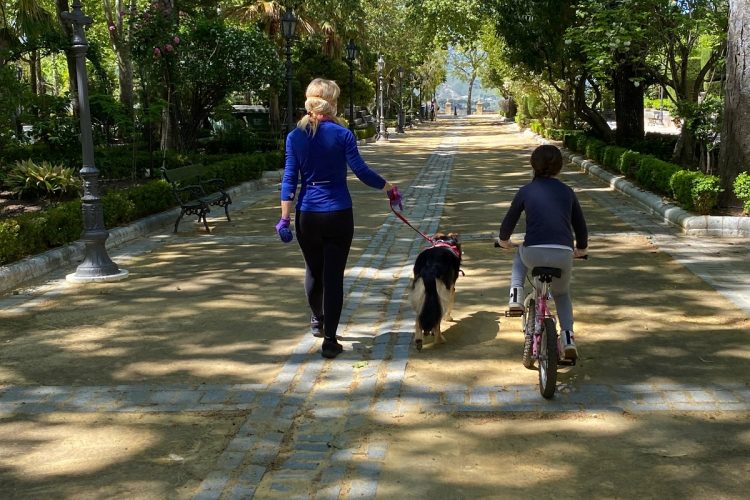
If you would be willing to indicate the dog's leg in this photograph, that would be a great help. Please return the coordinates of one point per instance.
(451, 300)
(418, 336)
(439, 334)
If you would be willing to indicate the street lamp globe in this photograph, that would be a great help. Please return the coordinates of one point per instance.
(351, 51)
(381, 63)
(288, 24)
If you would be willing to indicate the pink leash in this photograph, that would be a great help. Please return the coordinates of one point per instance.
(403, 219)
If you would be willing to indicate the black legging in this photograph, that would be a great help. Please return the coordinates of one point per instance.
(325, 239)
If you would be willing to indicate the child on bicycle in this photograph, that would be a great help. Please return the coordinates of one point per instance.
(553, 215)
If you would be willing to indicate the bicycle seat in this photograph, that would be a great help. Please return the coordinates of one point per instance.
(546, 273)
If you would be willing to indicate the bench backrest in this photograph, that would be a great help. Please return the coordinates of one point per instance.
(182, 176)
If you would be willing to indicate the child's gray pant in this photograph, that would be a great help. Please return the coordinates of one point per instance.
(527, 258)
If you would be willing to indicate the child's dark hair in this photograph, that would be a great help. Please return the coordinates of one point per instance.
(546, 161)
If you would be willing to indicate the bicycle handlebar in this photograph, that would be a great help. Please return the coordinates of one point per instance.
(497, 245)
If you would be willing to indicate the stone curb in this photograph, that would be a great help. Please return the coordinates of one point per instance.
(38, 265)
(691, 224)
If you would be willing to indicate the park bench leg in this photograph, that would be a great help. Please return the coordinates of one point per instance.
(179, 218)
(205, 222)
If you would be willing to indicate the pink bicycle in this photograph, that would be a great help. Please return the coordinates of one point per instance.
(542, 349)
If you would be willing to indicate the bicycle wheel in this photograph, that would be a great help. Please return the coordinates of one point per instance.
(548, 359)
(528, 334)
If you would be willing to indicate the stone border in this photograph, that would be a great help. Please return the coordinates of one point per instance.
(691, 224)
(35, 266)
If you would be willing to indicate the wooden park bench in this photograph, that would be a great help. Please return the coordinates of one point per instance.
(195, 195)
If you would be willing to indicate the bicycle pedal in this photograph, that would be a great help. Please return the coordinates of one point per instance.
(566, 362)
(513, 313)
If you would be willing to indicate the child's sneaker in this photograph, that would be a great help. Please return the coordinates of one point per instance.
(568, 342)
(515, 303)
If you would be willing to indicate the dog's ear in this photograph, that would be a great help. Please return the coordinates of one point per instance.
(438, 236)
(454, 236)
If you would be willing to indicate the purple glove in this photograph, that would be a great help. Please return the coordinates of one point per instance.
(282, 228)
(395, 197)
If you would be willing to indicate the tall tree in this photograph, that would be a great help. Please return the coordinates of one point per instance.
(116, 13)
(735, 137)
(467, 61)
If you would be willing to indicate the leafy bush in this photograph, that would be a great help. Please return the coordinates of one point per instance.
(629, 163)
(118, 208)
(594, 150)
(611, 156)
(742, 190)
(365, 133)
(705, 192)
(581, 142)
(653, 174)
(45, 180)
(681, 185)
(150, 198)
(570, 139)
(63, 224)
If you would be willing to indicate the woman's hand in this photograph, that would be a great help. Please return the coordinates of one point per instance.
(282, 229)
(580, 253)
(395, 198)
(504, 244)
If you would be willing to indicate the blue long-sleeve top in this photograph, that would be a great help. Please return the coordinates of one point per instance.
(320, 162)
(553, 214)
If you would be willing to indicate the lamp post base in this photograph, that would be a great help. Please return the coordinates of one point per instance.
(119, 276)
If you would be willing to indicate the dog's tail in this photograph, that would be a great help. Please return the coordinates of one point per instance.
(432, 311)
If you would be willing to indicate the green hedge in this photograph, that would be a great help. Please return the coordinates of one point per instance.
(60, 224)
(693, 190)
(742, 190)
(653, 174)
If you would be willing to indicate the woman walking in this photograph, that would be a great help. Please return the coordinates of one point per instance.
(317, 153)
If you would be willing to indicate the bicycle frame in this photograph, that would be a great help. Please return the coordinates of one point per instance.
(540, 294)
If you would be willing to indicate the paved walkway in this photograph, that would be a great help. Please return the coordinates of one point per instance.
(301, 432)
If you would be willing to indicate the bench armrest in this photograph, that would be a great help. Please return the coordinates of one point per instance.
(185, 194)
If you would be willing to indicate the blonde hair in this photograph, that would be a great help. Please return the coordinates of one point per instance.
(322, 96)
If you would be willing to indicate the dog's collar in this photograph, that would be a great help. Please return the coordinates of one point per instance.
(453, 248)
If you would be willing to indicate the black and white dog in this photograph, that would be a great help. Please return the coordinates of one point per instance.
(433, 289)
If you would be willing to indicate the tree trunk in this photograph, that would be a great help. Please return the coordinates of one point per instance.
(468, 97)
(590, 115)
(122, 53)
(685, 148)
(628, 105)
(735, 135)
(33, 78)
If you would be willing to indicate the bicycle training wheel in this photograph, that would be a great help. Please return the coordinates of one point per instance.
(548, 359)
(528, 334)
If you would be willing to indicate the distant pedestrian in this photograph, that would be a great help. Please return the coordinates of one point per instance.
(317, 153)
(432, 110)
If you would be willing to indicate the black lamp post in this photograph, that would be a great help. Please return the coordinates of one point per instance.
(288, 29)
(400, 121)
(381, 120)
(351, 55)
(96, 265)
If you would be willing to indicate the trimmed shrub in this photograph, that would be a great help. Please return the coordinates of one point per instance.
(581, 142)
(118, 208)
(594, 150)
(681, 185)
(570, 139)
(659, 145)
(629, 163)
(742, 190)
(653, 174)
(705, 192)
(611, 156)
(64, 223)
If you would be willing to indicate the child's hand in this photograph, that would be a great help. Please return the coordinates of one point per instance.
(504, 244)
